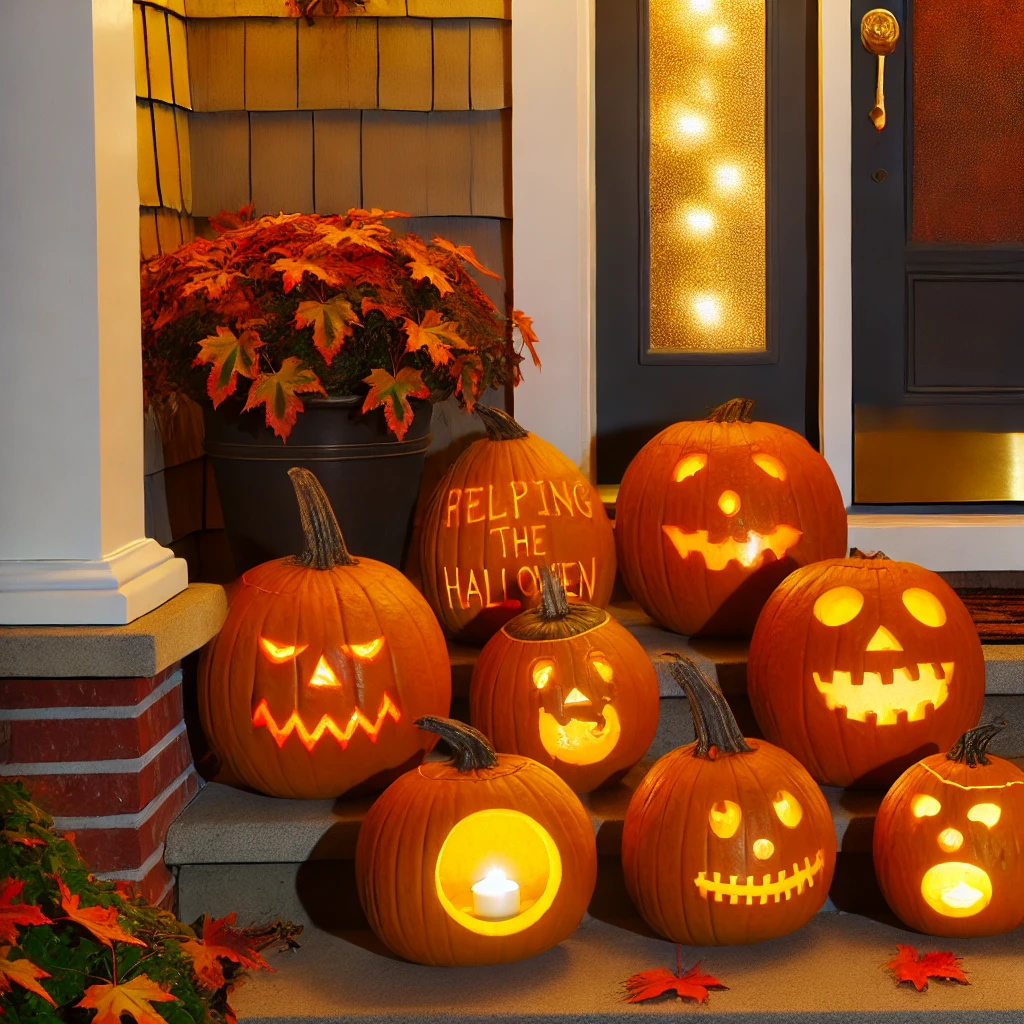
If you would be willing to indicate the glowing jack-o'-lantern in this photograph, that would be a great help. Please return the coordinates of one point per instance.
(949, 841)
(711, 515)
(727, 840)
(510, 504)
(861, 666)
(483, 859)
(324, 662)
(565, 684)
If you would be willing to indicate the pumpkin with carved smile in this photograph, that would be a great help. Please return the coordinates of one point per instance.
(860, 666)
(727, 840)
(712, 515)
(323, 665)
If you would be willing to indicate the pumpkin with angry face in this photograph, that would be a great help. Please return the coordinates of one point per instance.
(712, 515)
(860, 666)
(948, 846)
(323, 665)
(727, 840)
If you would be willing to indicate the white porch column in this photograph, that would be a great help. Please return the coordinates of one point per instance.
(72, 543)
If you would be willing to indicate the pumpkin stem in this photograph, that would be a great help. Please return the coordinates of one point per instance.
(325, 546)
(713, 719)
(735, 410)
(499, 425)
(553, 602)
(877, 555)
(471, 750)
(972, 748)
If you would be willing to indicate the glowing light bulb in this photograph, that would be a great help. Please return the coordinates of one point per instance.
(700, 6)
(496, 896)
(708, 310)
(727, 176)
(717, 35)
(691, 124)
(700, 221)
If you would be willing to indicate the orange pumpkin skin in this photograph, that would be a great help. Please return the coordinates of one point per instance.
(573, 664)
(799, 666)
(329, 616)
(754, 501)
(682, 842)
(404, 832)
(511, 503)
(909, 845)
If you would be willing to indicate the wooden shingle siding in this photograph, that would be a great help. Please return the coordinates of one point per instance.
(449, 169)
(149, 244)
(281, 168)
(395, 166)
(372, 9)
(491, 145)
(406, 75)
(460, 8)
(179, 62)
(216, 57)
(490, 64)
(220, 162)
(141, 71)
(337, 160)
(149, 190)
(451, 64)
(181, 121)
(175, 6)
(271, 64)
(338, 64)
(158, 53)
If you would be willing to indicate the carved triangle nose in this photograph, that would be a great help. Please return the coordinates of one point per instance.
(575, 697)
(883, 640)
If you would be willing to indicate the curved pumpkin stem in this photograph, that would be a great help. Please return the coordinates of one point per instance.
(325, 546)
(500, 426)
(879, 556)
(733, 411)
(972, 748)
(553, 602)
(471, 749)
(713, 720)
(556, 617)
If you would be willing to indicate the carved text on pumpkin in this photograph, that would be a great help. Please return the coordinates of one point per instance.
(575, 578)
(466, 505)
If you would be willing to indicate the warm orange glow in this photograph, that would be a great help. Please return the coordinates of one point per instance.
(788, 808)
(309, 739)
(987, 814)
(951, 839)
(729, 502)
(575, 697)
(763, 848)
(884, 701)
(689, 466)
(782, 886)
(542, 673)
(364, 652)
(926, 806)
(883, 640)
(956, 889)
(924, 606)
(324, 674)
(838, 606)
(278, 653)
(771, 465)
(604, 670)
(725, 818)
(749, 553)
(579, 741)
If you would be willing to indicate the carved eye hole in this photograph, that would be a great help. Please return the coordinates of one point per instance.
(987, 814)
(363, 652)
(725, 818)
(280, 653)
(688, 466)
(788, 808)
(838, 606)
(543, 673)
(925, 806)
(770, 465)
(924, 606)
(603, 668)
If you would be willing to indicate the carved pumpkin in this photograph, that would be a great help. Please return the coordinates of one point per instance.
(860, 666)
(712, 515)
(483, 859)
(323, 665)
(949, 841)
(727, 840)
(565, 684)
(510, 504)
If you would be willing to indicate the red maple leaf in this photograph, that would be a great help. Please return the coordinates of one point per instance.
(656, 982)
(229, 356)
(910, 966)
(221, 942)
(279, 392)
(17, 913)
(331, 322)
(22, 972)
(525, 325)
(394, 393)
(465, 252)
(134, 998)
(435, 335)
(420, 270)
(100, 921)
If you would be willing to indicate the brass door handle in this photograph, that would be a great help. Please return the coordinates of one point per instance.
(879, 32)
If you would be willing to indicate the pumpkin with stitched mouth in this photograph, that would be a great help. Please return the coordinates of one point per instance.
(324, 663)
(728, 840)
(861, 666)
(712, 515)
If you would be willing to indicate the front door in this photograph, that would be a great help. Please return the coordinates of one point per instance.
(938, 252)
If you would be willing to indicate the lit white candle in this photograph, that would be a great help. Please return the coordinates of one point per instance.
(495, 896)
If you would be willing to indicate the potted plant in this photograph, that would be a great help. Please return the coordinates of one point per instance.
(321, 342)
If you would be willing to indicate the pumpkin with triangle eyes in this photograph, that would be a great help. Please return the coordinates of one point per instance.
(861, 666)
(314, 683)
(712, 515)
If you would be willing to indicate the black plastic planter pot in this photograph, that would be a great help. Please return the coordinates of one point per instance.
(371, 478)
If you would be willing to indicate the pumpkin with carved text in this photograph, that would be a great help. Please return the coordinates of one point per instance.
(511, 503)
(322, 666)
(712, 515)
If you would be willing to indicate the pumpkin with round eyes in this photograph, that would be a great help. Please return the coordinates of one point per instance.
(568, 686)
(712, 515)
(727, 840)
(860, 666)
(948, 847)
(324, 662)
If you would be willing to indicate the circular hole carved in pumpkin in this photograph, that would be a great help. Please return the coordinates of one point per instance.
(491, 847)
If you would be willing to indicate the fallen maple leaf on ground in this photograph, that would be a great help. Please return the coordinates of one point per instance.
(394, 393)
(100, 921)
(134, 997)
(23, 973)
(221, 941)
(910, 966)
(654, 983)
(17, 913)
(279, 393)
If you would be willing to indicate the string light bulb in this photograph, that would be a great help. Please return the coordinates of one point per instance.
(700, 221)
(692, 124)
(708, 310)
(727, 176)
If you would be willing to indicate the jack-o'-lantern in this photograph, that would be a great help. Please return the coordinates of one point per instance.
(323, 665)
(511, 503)
(860, 666)
(483, 859)
(949, 841)
(567, 685)
(712, 515)
(727, 840)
